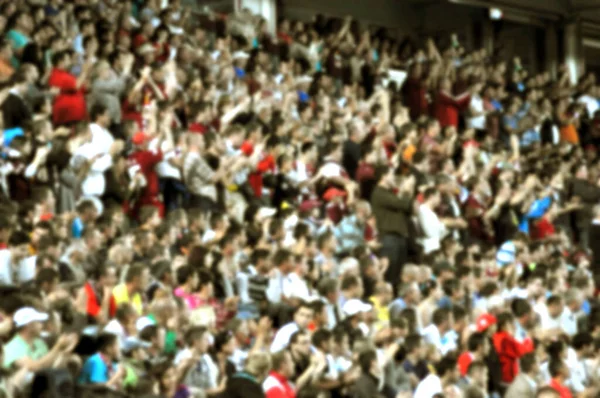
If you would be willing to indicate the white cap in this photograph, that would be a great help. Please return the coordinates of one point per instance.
(27, 315)
(143, 322)
(266, 212)
(355, 306)
(240, 55)
(304, 79)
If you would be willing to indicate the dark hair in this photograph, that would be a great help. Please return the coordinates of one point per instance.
(327, 286)
(581, 340)
(204, 278)
(365, 360)
(555, 366)
(194, 334)
(295, 336)
(98, 109)
(124, 311)
(135, 271)
(321, 336)
(412, 342)
(281, 256)
(505, 318)
(221, 339)
(475, 341)
(445, 365)
(349, 282)
(527, 362)
(105, 340)
(440, 316)
(149, 333)
(553, 300)
(46, 275)
(520, 307)
(184, 273)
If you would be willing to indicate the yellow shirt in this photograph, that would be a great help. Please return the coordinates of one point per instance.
(382, 311)
(121, 296)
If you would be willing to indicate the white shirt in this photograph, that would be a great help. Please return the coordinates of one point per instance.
(94, 183)
(277, 285)
(432, 227)
(591, 104)
(27, 269)
(283, 336)
(331, 169)
(299, 288)
(568, 322)
(432, 335)
(102, 139)
(428, 387)
(477, 122)
(6, 273)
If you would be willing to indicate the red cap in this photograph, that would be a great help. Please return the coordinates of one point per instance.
(484, 321)
(139, 138)
(332, 193)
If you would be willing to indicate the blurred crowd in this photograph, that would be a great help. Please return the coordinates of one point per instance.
(191, 206)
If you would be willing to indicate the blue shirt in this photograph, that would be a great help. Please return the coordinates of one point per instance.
(77, 228)
(95, 371)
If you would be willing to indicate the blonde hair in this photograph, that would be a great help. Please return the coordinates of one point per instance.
(259, 365)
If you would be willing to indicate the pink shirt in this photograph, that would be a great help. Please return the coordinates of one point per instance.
(192, 300)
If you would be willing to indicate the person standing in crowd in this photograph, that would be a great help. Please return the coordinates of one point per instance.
(392, 212)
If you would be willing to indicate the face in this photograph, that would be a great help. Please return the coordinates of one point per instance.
(303, 316)
(303, 345)
(287, 367)
(110, 279)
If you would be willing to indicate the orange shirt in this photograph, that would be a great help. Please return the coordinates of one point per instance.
(569, 134)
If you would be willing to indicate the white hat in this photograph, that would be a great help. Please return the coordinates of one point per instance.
(27, 315)
(240, 55)
(304, 79)
(355, 306)
(143, 322)
(266, 212)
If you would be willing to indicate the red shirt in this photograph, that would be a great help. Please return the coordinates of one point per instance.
(464, 361)
(509, 351)
(542, 229)
(69, 105)
(560, 388)
(415, 93)
(446, 109)
(255, 179)
(147, 160)
(277, 386)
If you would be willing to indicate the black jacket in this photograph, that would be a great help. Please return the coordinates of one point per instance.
(242, 385)
(15, 111)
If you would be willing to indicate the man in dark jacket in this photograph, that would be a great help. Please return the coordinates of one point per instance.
(15, 110)
(367, 385)
(594, 242)
(248, 384)
(392, 212)
(588, 195)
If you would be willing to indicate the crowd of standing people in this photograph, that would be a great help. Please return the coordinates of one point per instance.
(191, 206)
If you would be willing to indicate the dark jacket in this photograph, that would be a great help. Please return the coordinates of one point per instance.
(366, 386)
(590, 196)
(15, 111)
(243, 385)
(391, 212)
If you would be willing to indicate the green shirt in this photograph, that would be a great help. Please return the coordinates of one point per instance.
(18, 348)
(170, 339)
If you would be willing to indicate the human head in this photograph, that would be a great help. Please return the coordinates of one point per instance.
(135, 278)
(108, 345)
(322, 340)
(300, 343)
(303, 315)
(258, 365)
(478, 372)
(283, 364)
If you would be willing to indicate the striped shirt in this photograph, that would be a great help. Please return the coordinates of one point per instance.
(257, 288)
(197, 174)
